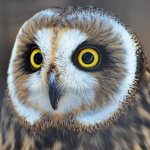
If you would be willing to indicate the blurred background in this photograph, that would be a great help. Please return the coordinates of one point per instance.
(13, 13)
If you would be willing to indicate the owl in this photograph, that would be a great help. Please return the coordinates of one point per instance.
(78, 79)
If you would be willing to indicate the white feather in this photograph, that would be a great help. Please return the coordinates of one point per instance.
(97, 116)
(29, 114)
(79, 85)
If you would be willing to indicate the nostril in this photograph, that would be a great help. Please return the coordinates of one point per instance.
(52, 68)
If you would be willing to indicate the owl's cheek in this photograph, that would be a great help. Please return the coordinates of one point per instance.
(40, 102)
(38, 96)
(72, 100)
(77, 80)
(36, 84)
(68, 102)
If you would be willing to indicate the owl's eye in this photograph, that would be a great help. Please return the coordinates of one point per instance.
(88, 58)
(36, 59)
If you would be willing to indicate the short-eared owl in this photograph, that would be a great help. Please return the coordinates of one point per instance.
(77, 80)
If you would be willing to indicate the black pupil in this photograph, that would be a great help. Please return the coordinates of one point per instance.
(38, 58)
(87, 58)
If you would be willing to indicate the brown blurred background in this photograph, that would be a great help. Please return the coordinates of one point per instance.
(135, 13)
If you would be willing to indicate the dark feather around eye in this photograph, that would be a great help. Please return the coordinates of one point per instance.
(106, 61)
(25, 65)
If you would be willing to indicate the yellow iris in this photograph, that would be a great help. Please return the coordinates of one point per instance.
(88, 58)
(36, 59)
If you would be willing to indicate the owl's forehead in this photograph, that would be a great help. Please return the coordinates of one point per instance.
(67, 28)
(53, 23)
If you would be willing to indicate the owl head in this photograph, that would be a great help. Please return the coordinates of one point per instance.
(73, 67)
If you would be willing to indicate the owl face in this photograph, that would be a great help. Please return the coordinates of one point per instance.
(73, 67)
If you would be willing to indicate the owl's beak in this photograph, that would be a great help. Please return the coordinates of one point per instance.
(53, 94)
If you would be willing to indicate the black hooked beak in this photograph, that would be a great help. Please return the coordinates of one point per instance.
(53, 93)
